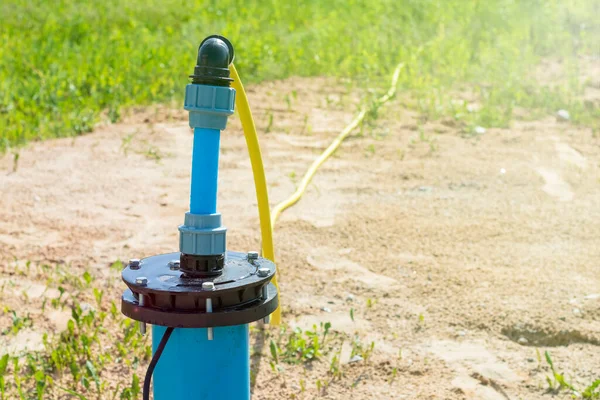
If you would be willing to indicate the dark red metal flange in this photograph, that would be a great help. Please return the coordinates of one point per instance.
(242, 293)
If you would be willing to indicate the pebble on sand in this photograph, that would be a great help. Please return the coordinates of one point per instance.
(563, 115)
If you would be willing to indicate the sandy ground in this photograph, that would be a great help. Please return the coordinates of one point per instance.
(459, 255)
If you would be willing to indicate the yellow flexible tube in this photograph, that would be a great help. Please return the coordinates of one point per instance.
(293, 199)
(260, 181)
(267, 221)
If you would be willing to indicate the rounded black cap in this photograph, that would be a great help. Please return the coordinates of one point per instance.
(212, 67)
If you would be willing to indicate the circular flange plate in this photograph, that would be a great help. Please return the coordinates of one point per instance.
(240, 295)
(237, 316)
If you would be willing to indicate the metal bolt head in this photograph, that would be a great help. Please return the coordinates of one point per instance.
(208, 286)
(134, 263)
(252, 255)
(262, 272)
(174, 265)
(141, 280)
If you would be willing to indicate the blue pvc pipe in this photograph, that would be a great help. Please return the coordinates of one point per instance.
(193, 368)
(205, 171)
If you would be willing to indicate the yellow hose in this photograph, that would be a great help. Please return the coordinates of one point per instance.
(293, 199)
(267, 222)
(260, 181)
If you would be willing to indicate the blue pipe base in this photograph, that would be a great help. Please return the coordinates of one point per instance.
(194, 368)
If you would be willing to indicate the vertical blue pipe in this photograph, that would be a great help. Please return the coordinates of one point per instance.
(205, 171)
(193, 368)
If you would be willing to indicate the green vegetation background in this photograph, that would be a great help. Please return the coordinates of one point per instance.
(66, 64)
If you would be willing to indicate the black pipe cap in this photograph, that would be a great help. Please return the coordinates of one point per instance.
(212, 67)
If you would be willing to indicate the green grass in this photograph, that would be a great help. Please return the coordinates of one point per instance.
(81, 360)
(67, 65)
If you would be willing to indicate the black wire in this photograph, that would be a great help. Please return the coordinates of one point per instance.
(155, 357)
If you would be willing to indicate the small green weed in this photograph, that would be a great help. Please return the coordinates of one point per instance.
(153, 153)
(16, 157)
(359, 349)
(370, 150)
(271, 118)
(300, 347)
(118, 265)
(335, 368)
(592, 391)
(557, 382)
(18, 323)
(3, 366)
(292, 175)
(393, 375)
(289, 97)
(126, 143)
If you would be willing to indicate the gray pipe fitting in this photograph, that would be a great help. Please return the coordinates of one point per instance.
(209, 106)
(202, 235)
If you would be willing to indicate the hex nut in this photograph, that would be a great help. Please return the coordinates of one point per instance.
(262, 272)
(252, 255)
(174, 265)
(141, 280)
(208, 286)
(134, 263)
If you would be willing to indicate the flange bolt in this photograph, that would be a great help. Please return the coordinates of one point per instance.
(174, 265)
(209, 286)
(141, 280)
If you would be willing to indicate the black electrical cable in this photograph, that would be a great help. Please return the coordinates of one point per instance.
(155, 358)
